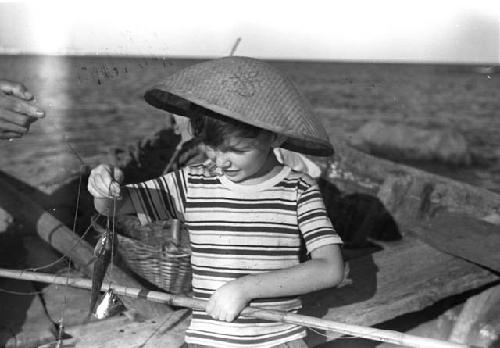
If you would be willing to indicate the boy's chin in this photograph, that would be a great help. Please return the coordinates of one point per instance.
(236, 179)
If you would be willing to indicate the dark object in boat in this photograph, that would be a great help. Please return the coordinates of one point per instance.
(357, 217)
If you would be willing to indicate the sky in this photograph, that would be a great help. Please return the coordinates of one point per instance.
(455, 31)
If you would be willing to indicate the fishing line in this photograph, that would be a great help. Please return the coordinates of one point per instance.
(60, 327)
(72, 149)
(34, 269)
(113, 235)
(60, 324)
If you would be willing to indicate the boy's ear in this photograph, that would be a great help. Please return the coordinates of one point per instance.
(278, 140)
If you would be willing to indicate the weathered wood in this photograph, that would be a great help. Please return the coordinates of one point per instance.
(433, 212)
(67, 242)
(119, 331)
(402, 277)
(165, 331)
(436, 208)
(463, 236)
(352, 166)
(472, 326)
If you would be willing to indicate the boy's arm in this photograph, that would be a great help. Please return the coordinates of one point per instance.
(112, 207)
(325, 269)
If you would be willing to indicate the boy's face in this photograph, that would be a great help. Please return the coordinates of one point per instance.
(243, 160)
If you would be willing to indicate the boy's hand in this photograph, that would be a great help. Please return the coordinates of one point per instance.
(228, 301)
(104, 181)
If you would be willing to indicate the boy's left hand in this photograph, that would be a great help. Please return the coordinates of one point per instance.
(228, 301)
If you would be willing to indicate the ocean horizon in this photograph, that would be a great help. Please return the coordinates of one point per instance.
(96, 103)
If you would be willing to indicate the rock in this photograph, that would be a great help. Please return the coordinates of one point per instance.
(6, 220)
(401, 142)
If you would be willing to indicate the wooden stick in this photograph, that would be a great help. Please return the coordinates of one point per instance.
(173, 157)
(235, 46)
(61, 238)
(389, 336)
(175, 228)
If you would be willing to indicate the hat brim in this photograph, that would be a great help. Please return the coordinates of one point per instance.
(190, 105)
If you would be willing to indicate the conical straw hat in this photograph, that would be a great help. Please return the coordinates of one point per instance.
(247, 90)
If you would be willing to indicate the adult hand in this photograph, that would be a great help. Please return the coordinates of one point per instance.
(16, 111)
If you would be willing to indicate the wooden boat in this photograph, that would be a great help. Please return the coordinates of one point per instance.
(450, 237)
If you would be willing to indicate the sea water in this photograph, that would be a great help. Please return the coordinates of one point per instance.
(95, 103)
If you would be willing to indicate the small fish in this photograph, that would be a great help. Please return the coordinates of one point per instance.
(110, 305)
(103, 252)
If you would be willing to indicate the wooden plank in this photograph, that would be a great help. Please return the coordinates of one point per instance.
(472, 325)
(442, 218)
(403, 277)
(356, 167)
(67, 242)
(455, 217)
(118, 331)
(20, 313)
(461, 235)
(475, 322)
(166, 331)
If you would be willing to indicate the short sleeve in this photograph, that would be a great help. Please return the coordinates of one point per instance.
(314, 223)
(162, 198)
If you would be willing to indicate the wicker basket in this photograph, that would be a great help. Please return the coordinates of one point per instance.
(156, 252)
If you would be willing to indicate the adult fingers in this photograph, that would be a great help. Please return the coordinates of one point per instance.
(10, 134)
(7, 116)
(21, 107)
(15, 88)
(14, 127)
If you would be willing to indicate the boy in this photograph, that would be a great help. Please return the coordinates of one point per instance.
(249, 219)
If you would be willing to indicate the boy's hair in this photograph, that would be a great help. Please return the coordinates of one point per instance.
(214, 130)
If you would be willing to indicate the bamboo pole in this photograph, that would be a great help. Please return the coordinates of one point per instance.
(388, 336)
(61, 238)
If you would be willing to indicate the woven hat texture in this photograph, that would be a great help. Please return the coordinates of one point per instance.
(247, 90)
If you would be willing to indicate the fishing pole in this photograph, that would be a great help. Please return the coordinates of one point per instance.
(388, 336)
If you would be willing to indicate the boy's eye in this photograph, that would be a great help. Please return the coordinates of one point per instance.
(227, 149)
(237, 150)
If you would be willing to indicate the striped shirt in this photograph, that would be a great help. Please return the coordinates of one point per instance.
(236, 230)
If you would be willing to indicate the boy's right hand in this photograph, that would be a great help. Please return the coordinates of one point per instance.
(104, 181)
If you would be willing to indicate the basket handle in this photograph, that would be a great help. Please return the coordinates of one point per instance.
(175, 229)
